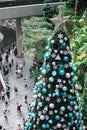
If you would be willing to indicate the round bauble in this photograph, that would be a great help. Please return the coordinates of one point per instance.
(44, 90)
(51, 105)
(35, 96)
(51, 79)
(69, 124)
(62, 108)
(52, 41)
(57, 117)
(50, 50)
(61, 51)
(47, 48)
(53, 63)
(44, 126)
(51, 113)
(64, 88)
(44, 71)
(42, 117)
(59, 125)
(54, 73)
(68, 75)
(66, 58)
(47, 55)
(50, 122)
(70, 64)
(74, 70)
(55, 51)
(62, 72)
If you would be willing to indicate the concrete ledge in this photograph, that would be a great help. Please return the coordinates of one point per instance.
(22, 11)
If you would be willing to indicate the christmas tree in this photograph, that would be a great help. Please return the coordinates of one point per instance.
(56, 98)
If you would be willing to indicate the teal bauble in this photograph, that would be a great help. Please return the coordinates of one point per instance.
(66, 58)
(50, 122)
(30, 125)
(74, 69)
(69, 124)
(41, 68)
(54, 73)
(62, 72)
(70, 115)
(73, 80)
(62, 108)
(70, 64)
(71, 103)
(44, 126)
(47, 55)
(38, 85)
(64, 88)
(44, 90)
(57, 117)
(51, 79)
(40, 104)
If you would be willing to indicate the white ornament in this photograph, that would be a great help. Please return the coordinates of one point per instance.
(50, 50)
(55, 51)
(76, 107)
(53, 63)
(68, 75)
(52, 41)
(42, 117)
(55, 111)
(51, 105)
(44, 71)
(61, 52)
(49, 95)
(58, 125)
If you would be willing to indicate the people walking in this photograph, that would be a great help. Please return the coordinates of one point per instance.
(25, 99)
(5, 115)
(19, 107)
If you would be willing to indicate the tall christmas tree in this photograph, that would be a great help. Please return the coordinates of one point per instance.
(56, 105)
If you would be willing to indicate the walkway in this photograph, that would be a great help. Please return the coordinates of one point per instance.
(13, 117)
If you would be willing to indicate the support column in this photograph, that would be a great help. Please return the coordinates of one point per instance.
(18, 39)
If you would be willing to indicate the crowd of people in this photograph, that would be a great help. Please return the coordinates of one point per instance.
(7, 62)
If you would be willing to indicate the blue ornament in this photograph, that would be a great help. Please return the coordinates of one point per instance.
(70, 64)
(62, 72)
(66, 58)
(79, 107)
(47, 55)
(69, 124)
(70, 115)
(62, 108)
(74, 70)
(57, 94)
(30, 125)
(54, 73)
(73, 80)
(44, 126)
(79, 122)
(51, 79)
(41, 68)
(50, 122)
(44, 90)
(71, 103)
(57, 117)
(64, 88)
(40, 104)
(38, 85)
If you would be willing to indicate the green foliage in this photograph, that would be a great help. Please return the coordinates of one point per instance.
(35, 31)
(79, 47)
(67, 10)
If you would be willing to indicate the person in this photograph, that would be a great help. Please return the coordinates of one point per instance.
(6, 105)
(5, 115)
(25, 99)
(3, 95)
(15, 89)
(19, 127)
(25, 82)
(19, 107)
